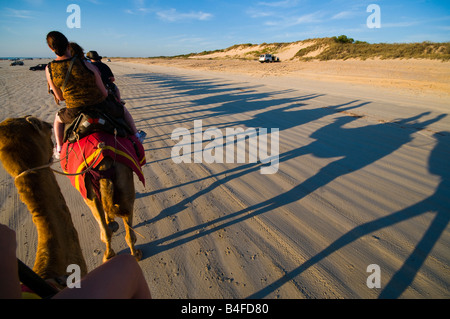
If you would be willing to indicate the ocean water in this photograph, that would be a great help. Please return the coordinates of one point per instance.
(23, 58)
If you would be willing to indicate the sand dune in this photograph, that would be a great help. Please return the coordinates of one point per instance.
(285, 53)
(363, 179)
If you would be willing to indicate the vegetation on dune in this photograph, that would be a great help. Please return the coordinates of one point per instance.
(342, 48)
(336, 48)
(265, 48)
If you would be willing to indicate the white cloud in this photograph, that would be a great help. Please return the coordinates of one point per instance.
(343, 15)
(296, 20)
(35, 2)
(307, 18)
(22, 14)
(139, 11)
(139, 8)
(280, 4)
(405, 24)
(255, 13)
(172, 15)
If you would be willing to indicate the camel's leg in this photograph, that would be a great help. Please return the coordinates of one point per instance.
(110, 209)
(105, 232)
(103, 213)
(124, 188)
(130, 237)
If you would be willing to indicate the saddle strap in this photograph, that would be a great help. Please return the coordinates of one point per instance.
(68, 73)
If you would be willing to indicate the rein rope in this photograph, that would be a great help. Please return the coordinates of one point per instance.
(101, 145)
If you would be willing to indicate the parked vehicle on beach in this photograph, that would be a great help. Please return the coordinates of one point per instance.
(268, 58)
(38, 67)
(16, 63)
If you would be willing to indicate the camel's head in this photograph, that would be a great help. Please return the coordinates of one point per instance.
(25, 143)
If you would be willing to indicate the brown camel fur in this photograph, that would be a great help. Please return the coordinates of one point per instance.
(25, 143)
(117, 196)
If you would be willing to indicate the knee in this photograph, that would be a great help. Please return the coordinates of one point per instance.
(127, 262)
(57, 119)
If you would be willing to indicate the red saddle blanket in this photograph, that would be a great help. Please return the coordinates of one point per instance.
(92, 149)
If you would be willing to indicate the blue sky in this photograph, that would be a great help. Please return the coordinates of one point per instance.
(144, 28)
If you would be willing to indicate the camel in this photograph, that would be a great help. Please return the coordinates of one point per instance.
(117, 196)
(25, 144)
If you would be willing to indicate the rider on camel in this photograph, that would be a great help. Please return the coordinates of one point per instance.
(80, 88)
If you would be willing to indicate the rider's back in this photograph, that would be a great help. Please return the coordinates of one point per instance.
(81, 89)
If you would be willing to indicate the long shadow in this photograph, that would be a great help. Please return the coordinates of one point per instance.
(295, 194)
(284, 121)
(438, 202)
(358, 147)
(351, 162)
(230, 104)
(230, 98)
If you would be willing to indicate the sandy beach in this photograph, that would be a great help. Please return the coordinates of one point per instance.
(363, 177)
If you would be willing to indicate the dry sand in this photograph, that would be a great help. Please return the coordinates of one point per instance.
(409, 76)
(363, 178)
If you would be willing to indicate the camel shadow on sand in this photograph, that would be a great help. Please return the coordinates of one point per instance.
(355, 147)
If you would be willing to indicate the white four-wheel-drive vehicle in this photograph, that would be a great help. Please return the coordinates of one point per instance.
(268, 58)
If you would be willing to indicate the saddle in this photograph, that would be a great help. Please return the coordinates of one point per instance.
(94, 120)
(89, 152)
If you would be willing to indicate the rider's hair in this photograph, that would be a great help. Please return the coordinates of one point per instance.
(57, 42)
(76, 50)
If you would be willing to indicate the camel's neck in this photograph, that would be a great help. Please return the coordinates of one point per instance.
(58, 244)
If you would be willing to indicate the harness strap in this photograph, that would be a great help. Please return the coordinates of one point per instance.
(34, 169)
(68, 73)
(100, 145)
(38, 285)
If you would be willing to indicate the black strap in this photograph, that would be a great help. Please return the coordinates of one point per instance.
(38, 285)
(68, 73)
